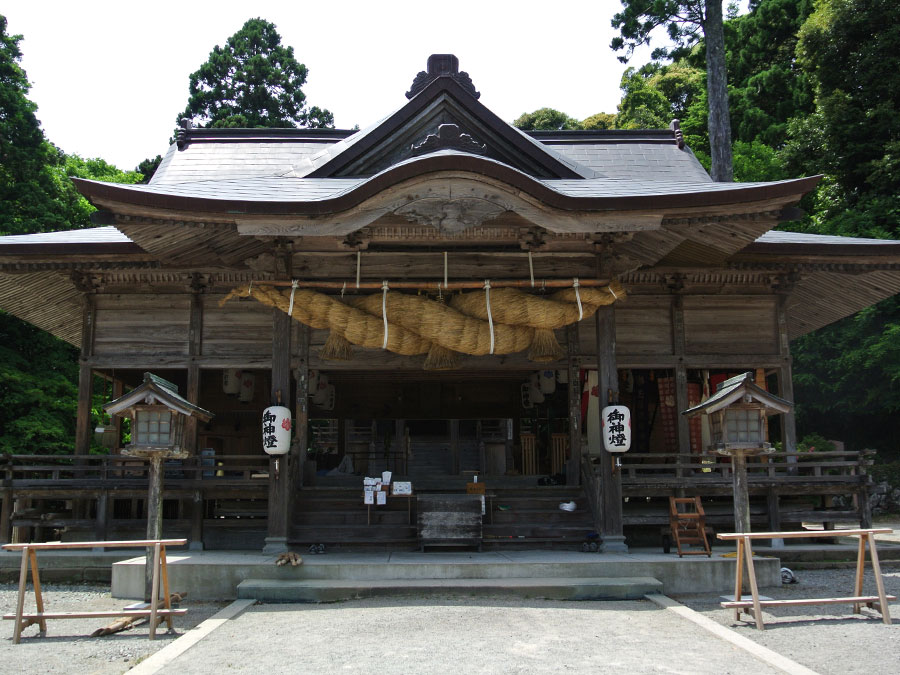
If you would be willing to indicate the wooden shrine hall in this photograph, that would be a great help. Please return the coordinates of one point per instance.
(442, 296)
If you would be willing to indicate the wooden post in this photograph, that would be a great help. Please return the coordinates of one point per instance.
(741, 494)
(573, 466)
(101, 516)
(774, 516)
(195, 340)
(301, 426)
(610, 477)
(7, 508)
(454, 447)
(197, 514)
(154, 516)
(681, 393)
(279, 467)
(785, 381)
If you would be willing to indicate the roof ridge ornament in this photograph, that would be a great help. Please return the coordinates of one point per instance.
(448, 136)
(181, 134)
(442, 65)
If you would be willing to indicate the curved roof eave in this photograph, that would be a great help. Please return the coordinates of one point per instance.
(236, 203)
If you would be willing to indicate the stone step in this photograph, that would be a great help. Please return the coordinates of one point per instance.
(329, 590)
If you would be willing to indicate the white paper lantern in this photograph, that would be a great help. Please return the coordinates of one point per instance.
(548, 381)
(320, 396)
(534, 384)
(526, 396)
(615, 421)
(248, 387)
(562, 376)
(313, 382)
(276, 430)
(231, 381)
(328, 404)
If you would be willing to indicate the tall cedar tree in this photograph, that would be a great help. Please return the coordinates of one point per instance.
(253, 81)
(686, 21)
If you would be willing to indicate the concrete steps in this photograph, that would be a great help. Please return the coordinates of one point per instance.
(554, 588)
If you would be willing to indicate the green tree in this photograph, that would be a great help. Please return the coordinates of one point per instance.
(599, 121)
(148, 167)
(685, 22)
(546, 119)
(253, 81)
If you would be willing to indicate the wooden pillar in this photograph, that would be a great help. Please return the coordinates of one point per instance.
(681, 393)
(774, 511)
(100, 519)
(301, 425)
(454, 447)
(611, 520)
(83, 426)
(573, 466)
(154, 516)
(741, 493)
(7, 508)
(195, 340)
(279, 467)
(197, 515)
(785, 381)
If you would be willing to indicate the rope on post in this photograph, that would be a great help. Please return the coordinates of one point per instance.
(358, 263)
(531, 268)
(578, 298)
(384, 292)
(445, 269)
(487, 299)
(291, 303)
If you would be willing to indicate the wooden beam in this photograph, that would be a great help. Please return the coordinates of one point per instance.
(195, 342)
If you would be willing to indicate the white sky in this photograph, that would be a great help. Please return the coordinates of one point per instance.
(109, 78)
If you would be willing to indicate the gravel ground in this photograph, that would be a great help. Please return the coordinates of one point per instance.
(449, 635)
(829, 639)
(464, 635)
(67, 647)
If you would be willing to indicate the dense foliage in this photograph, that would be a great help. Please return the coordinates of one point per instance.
(253, 81)
(550, 119)
(38, 372)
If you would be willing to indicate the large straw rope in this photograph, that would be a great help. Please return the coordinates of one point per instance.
(416, 324)
(321, 311)
(447, 327)
(512, 306)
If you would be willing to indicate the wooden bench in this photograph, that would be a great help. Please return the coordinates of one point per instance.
(754, 606)
(29, 559)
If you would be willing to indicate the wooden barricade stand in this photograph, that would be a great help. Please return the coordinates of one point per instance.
(29, 559)
(754, 606)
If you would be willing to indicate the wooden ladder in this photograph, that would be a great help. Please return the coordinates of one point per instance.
(687, 522)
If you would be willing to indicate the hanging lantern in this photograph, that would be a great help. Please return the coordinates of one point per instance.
(320, 396)
(526, 396)
(231, 381)
(313, 382)
(328, 403)
(248, 387)
(616, 424)
(534, 385)
(548, 381)
(276, 430)
(562, 376)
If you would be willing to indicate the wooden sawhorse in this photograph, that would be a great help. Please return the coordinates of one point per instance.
(29, 559)
(754, 606)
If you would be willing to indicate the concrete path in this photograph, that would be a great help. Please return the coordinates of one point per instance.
(452, 635)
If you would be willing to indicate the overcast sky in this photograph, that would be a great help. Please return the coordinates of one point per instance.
(109, 78)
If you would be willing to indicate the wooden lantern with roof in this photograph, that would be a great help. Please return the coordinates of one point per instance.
(157, 413)
(737, 415)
